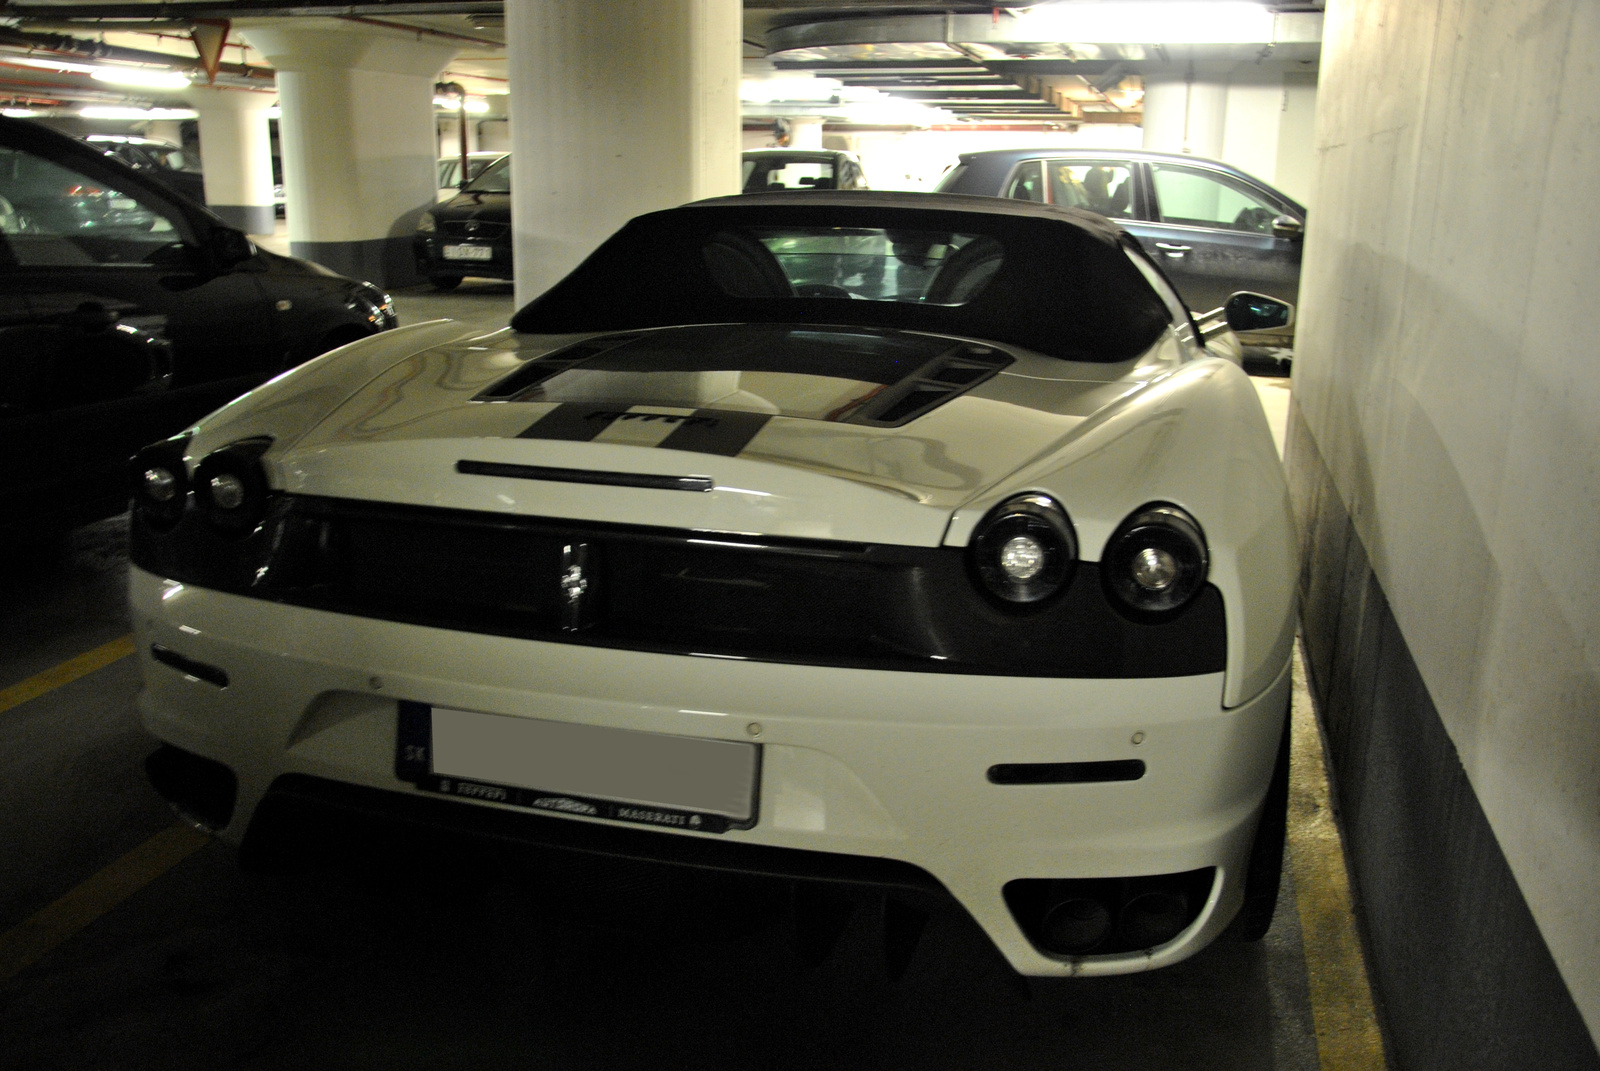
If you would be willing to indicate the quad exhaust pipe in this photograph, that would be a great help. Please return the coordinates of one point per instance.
(1103, 916)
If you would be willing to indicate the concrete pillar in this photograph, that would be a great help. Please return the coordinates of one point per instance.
(1186, 110)
(168, 130)
(236, 148)
(616, 109)
(805, 132)
(357, 137)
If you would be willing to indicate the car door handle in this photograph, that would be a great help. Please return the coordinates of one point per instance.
(1171, 250)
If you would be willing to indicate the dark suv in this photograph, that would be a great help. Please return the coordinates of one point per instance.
(127, 312)
(1213, 229)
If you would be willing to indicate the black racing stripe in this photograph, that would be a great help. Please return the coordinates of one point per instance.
(716, 431)
(576, 422)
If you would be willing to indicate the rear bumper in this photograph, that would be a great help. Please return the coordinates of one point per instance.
(877, 775)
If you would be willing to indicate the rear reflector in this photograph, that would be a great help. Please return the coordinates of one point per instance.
(1065, 773)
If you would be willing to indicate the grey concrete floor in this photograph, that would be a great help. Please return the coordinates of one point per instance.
(489, 959)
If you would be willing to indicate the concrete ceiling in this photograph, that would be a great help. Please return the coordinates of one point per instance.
(971, 62)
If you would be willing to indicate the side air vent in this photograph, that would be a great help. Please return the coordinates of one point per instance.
(951, 373)
(525, 379)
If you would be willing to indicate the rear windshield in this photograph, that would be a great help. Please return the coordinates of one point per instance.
(852, 263)
(763, 174)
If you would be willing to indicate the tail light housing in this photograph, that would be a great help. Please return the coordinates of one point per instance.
(1025, 551)
(230, 487)
(160, 483)
(1155, 562)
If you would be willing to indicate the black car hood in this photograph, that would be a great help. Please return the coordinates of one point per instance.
(488, 207)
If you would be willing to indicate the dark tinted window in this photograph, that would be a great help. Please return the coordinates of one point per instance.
(51, 216)
(1025, 184)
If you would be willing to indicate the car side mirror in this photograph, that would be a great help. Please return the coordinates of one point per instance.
(1246, 311)
(1288, 227)
(226, 247)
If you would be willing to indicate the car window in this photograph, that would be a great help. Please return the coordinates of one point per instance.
(1206, 199)
(52, 216)
(780, 174)
(447, 171)
(853, 263)
(475, 167)
(494, 179)
(173, 159)
(1026, 183)
(1099, 186)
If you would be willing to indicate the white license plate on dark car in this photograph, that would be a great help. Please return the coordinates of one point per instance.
(678, 782)
(468, 252)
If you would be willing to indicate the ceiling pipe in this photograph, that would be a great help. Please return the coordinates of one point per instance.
(82, 48)
(240, 9)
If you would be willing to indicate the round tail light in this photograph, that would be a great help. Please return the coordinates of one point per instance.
(1155, 561)
(1025, 550)
(230, 487)
(160, 484)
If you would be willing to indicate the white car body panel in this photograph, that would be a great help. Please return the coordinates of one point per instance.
(856, 761)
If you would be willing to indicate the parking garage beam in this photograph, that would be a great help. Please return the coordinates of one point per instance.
(358, 141)
(237, 148)
(616, 109)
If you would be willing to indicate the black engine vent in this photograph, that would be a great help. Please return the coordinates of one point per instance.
(953, 372)
(548, 366)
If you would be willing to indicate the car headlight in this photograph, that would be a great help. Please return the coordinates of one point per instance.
(1155, 561)
(230, 487)
(426, 224)
(160, 484)
(1025, 550)
(375, 304)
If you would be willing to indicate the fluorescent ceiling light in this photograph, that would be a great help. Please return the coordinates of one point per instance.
(475, 105)
(142, 77)
(19, 113)
(789, 88)
(98, 111)
(48, 64)
(1175, 22)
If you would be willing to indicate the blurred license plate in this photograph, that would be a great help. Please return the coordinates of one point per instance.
(468, 252)
(680, 782)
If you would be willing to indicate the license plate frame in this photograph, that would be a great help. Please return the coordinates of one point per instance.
(568, 746)
(468, 252)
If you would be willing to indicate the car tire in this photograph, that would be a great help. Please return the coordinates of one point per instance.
(445, 282)
(1263, 872)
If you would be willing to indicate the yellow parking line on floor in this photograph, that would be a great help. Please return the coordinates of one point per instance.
(28, 943)
(1341, 997)
(65, 673)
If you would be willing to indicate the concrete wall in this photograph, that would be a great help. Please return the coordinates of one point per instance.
(1443, 456)
(1296, 165)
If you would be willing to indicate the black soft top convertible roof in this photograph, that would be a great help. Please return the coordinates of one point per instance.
(1065, 288)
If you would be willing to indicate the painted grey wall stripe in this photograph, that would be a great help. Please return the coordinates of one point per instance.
(384, 261)
(252, 219)
(1464, 977)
